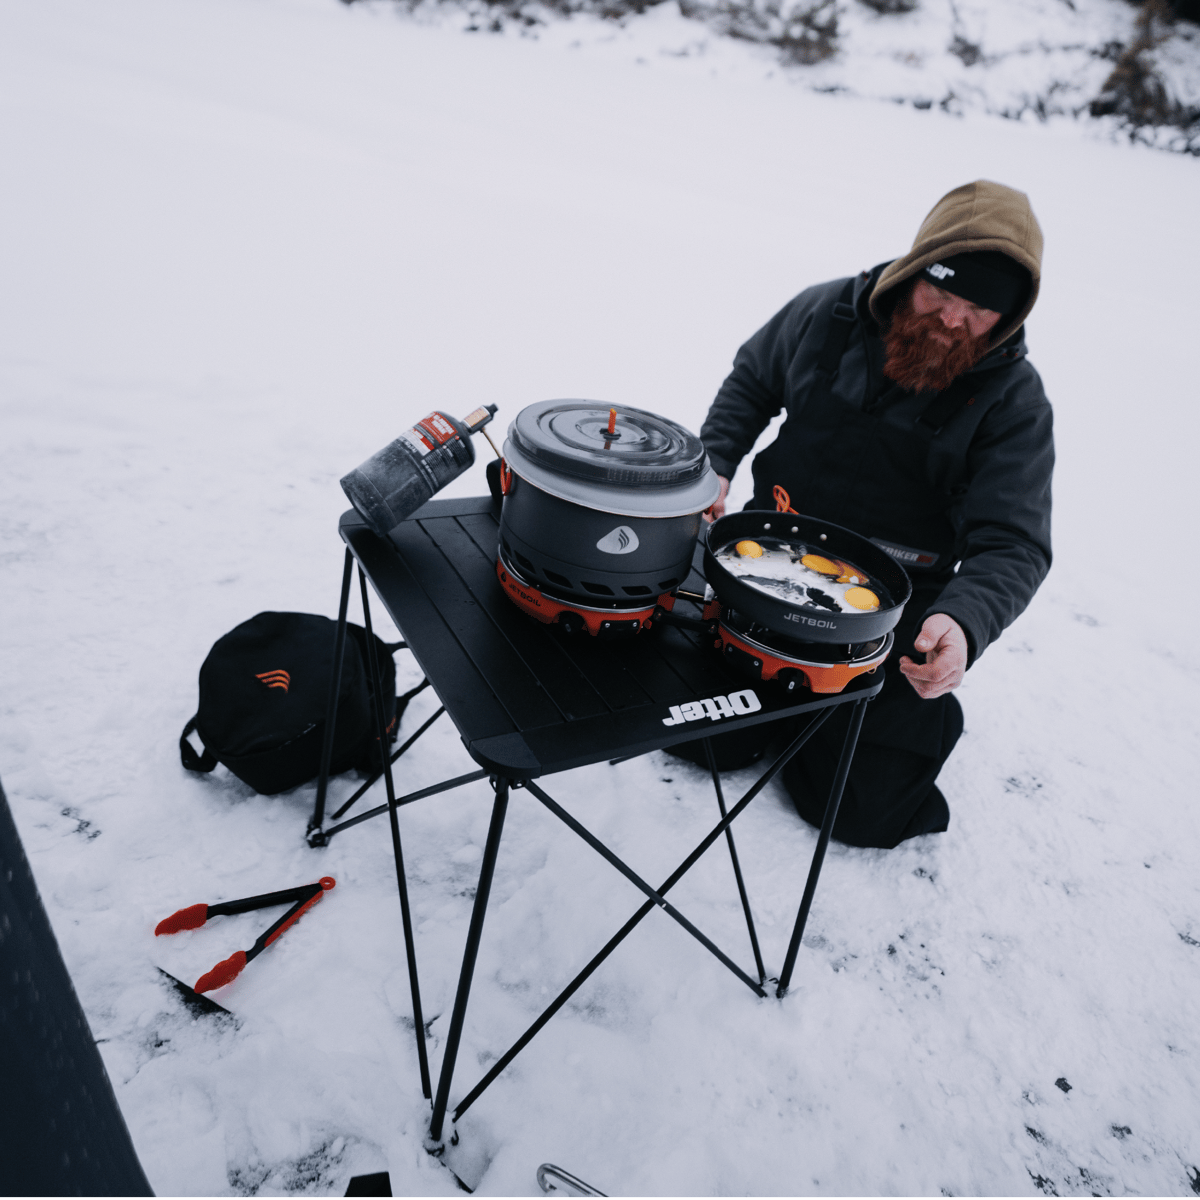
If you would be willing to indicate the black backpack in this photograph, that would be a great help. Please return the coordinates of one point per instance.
(264, 688)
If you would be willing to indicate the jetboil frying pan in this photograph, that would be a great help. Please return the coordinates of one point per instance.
(807, 620)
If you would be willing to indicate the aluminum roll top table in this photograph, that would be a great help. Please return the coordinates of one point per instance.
(529, 701)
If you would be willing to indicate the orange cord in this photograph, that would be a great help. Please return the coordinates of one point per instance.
(783, 502)
(505, 478)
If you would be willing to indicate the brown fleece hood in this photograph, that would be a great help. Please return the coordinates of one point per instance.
(977, 216)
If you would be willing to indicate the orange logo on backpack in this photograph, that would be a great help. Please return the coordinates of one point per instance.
(279, 679)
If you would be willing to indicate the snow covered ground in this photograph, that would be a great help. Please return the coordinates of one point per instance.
(245, 243)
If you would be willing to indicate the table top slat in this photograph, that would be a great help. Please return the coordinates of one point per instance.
(474, 709)
(565, 664)
(521, 694)
(569, 689)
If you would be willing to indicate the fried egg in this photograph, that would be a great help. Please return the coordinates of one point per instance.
(792, 572)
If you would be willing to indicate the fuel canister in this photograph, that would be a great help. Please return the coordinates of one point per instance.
(394, 482)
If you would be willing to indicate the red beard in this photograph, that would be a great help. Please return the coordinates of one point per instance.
(918, 361)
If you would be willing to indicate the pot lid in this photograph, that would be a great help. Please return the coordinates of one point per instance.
(608, 444)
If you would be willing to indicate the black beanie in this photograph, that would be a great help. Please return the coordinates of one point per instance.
(985, 277)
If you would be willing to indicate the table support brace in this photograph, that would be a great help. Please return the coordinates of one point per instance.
(831, 811)
(433, 790)
(474, 933)
(638, 882)
(498, 1066)
(733, 858)
(401, 883)
(377, 775)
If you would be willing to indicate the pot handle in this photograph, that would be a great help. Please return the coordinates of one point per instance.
(783, 502)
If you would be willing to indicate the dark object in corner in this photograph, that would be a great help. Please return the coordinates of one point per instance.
(196, 1004)
(63, 1133)
(379, 1184)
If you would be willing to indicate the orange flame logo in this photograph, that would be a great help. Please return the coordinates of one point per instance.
(275, 679)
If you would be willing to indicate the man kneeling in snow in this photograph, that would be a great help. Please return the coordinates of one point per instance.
(915, 419)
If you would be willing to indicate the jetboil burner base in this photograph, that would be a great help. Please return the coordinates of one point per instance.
(824, 668)
(610, 621)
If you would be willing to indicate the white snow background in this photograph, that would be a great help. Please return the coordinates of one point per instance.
(244, 244)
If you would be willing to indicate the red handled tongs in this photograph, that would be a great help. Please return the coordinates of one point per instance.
(301, 899)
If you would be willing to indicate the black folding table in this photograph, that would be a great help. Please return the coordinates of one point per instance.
(528, 701)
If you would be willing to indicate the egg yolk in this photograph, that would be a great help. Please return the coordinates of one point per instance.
(861, 598)
(814, 562)
(749, 549)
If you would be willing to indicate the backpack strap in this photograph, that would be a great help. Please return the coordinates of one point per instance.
(187, 752)
(938, 412)
(944, 406)
(838, 336)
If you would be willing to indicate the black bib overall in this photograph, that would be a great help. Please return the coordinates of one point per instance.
(866, 466)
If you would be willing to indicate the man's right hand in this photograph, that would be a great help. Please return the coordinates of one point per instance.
(718, 506)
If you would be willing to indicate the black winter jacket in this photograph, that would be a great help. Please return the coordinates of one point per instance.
(965, 508)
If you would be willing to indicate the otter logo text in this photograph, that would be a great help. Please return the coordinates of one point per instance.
(736, 704)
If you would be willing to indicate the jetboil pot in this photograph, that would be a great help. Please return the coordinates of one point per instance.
(394, 482)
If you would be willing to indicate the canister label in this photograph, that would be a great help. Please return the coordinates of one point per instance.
(429, 433)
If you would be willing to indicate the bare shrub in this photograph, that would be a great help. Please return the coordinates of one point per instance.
(889, 7)
(806, 32)
(810, 34)
(1134, 90)
(967, 51)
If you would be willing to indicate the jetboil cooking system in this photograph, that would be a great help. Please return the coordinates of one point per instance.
(804, 639)
(602, 507)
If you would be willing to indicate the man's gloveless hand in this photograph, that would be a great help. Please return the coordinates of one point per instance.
(945, 648)
(718, 505)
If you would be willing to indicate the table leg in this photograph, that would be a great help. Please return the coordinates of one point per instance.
(814, 871)
(737, 868)
(498, 1066)
(474, 933)
(331, 706)
(397, 852)
(378, 775)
